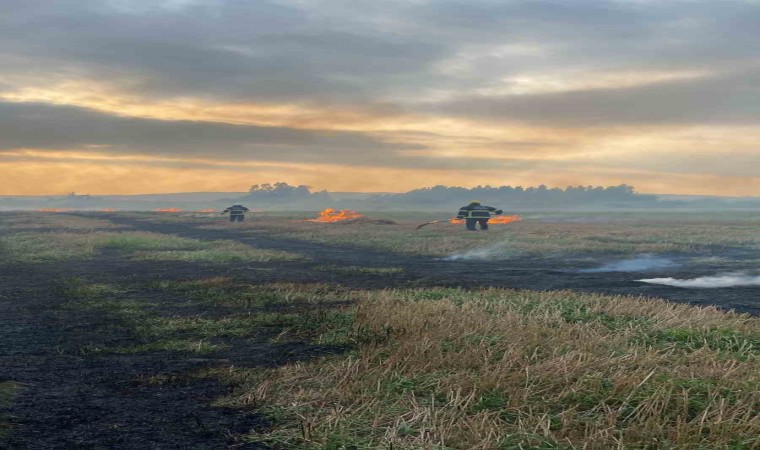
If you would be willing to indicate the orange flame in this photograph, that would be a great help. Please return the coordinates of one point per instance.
(495, 219)
(505, 219)
(333, 215)
(108, 210)
(207, 210)
(168, 210)
(53, 210)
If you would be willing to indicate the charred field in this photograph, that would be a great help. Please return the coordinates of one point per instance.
(173, 330)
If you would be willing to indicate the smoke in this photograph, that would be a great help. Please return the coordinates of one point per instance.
(641, 264)
(491, 253)
(718, 281)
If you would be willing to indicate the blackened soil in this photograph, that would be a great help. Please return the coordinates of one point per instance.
(550, 273)
(71, 398)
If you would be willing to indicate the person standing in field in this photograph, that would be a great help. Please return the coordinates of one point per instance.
(477, 214)
(237, 212)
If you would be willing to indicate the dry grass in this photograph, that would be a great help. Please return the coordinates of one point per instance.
(638, 232)
(517, 369)
(60, 246)
(630, 234)
(53, 221)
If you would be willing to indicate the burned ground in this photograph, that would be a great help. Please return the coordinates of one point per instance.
(74, 394)
(526, 271)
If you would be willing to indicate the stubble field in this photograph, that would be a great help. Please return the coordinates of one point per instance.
(127, 330)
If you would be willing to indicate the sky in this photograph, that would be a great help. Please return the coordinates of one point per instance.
(157, 96)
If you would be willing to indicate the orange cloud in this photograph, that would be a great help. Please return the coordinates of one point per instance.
(117, 177)
(636, 155)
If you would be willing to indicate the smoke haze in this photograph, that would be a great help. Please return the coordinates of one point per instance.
(491, 253)
(641, 264)
(718, 281)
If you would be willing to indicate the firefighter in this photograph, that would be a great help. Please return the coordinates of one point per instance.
(237, 212)
(477, 214)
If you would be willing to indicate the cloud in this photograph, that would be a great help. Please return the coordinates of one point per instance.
(370, 52)
(42, 126)
(81, 131)
(729, 99)
(222, 49)
(505, 90)
(400, 52)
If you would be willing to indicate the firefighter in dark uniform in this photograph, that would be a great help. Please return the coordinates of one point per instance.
(477, 214)
(237, 212)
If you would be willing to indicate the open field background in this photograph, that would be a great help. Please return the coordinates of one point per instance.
(186, 331)
(537, 234)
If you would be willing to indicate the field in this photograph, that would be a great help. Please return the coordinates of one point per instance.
(149, 330)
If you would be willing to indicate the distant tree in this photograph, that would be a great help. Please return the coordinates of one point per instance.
(279, 190)
(539, 195)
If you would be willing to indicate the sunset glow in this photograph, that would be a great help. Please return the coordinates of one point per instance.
(396, 97)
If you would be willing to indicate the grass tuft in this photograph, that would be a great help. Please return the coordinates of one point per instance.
(8, 391)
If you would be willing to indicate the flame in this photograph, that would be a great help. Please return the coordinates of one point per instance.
(108, 210)
(495, 219)
(504, 219)
(333, 215)
(207, 210)
(168, 210)
(53, 210)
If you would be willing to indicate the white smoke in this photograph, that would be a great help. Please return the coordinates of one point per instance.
(641, 264)
(491, 253)
(718, 281)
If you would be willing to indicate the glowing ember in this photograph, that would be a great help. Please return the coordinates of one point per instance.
(333, 215)
(53, 210)
(207, 210)
(168, 210)
(456, 221)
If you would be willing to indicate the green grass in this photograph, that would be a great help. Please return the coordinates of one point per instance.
(311, 313)
(76, 287)
(168, 345)
(219, 252)
(279, 312)
(62, 246)
(727, 341)
(137, 241)
(48, 247)
(58, 222)
(361, 270)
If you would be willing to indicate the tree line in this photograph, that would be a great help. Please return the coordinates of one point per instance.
(541, 195)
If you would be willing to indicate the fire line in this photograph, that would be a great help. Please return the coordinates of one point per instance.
(330, 215)
(168, 210)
